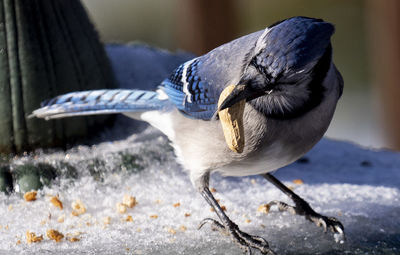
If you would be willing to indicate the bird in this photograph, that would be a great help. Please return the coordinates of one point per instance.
(285, 75)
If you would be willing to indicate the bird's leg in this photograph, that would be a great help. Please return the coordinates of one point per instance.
(303, 208)
(228, 227)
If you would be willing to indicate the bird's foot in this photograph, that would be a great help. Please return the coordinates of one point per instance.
(303, 208)
(242, 239)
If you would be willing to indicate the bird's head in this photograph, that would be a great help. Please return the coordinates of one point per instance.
(283, 73)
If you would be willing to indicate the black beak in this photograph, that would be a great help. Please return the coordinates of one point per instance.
(239, 93)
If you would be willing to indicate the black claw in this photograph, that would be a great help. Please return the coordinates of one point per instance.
(215, 225)
(242, 239)
(260, 239)
(303, 208)
(283, 207)
(203, 222)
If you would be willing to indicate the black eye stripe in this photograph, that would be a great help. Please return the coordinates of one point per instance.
(262, 70)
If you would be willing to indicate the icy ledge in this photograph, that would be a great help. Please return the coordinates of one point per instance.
(358, 186)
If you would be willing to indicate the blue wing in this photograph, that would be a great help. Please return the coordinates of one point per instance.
(191, 95)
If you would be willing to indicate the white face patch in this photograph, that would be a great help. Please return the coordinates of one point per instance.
(185, 83)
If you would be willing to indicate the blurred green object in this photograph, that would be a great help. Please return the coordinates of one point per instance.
(47, 48)
(29, 182)
(6, 182)
(33, 177)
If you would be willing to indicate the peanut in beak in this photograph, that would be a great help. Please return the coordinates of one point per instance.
(232, 122)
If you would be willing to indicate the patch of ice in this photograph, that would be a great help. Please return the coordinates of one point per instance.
(358, 186)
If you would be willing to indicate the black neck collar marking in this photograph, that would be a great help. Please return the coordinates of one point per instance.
(317, 90)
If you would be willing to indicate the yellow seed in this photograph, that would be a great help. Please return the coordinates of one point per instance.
(30, 196)
(182, 228)
(56, 202)
(154, 216)
(129, 218)
(298, 181)
(171, 230)
(177, 204)
(32, 238)
(121, 208)
(129, 201)
(54, 235)
(264, 208)
(107, 220)
(78, 208)
(73, 239)
(231, 120)
(61, 218)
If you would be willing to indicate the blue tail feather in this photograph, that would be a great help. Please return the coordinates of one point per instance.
(99, 102)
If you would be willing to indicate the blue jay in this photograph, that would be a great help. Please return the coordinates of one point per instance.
(286, 76)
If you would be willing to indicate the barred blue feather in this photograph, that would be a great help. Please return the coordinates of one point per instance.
(191, 95)
(99, 102)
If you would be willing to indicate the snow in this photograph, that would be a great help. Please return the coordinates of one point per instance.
(360, 187)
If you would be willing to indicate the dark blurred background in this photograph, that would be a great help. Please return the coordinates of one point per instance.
(366, 46)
